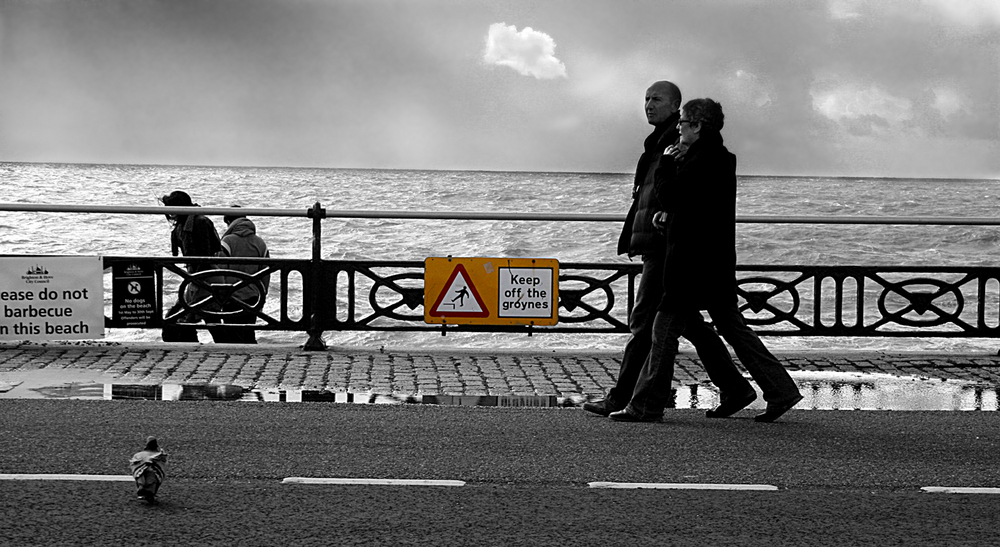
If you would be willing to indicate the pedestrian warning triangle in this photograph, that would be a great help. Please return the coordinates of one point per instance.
(459, 297)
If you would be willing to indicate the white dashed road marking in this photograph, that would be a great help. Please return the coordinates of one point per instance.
(682, 486)
(389, 482)
(959, 490)
(58, 477)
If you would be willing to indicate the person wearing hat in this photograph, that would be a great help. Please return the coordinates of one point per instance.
(191, 235)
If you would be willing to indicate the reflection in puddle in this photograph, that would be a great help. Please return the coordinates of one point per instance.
(856, 391)
(173, 392)
(218, 392)
(821, 391)
(863, 391)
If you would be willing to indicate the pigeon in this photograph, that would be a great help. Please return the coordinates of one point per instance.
(148, 469)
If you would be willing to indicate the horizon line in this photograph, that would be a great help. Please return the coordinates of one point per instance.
(454, 170)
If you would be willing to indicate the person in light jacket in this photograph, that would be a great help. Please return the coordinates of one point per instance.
(241, 240)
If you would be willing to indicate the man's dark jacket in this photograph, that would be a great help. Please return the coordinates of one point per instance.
(638, 236)
(699, 193)
(195, 235)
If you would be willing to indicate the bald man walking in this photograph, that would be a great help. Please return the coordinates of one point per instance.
(640, 237)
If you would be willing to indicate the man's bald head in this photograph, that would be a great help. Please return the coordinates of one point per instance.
(668, 88)
(663, 99)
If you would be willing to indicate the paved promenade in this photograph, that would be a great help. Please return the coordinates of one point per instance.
(421, 372)
(838, 478)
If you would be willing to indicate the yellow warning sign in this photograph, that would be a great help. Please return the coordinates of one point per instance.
(491, 291)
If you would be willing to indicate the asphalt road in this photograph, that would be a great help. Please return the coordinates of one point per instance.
(844, 477)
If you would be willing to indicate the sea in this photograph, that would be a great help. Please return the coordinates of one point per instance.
(33, 233)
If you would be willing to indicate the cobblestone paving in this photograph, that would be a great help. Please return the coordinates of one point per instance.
(414, 372)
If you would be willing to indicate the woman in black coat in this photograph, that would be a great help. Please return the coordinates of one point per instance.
(697, 193)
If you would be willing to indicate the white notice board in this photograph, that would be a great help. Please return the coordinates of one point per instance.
(51, 298)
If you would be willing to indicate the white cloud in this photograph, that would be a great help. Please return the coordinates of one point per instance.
(615, 85)
(947, 101)
(529, 52)
(844, 9)
(862, 110)
(850, 101)
(748, 89)
(971, 13)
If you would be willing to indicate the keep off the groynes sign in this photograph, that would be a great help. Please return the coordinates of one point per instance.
(51, 298)
(491, 291)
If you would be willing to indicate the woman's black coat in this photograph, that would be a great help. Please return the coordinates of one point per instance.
(698, 192)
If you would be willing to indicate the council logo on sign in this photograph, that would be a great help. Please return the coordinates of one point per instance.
(37, 275)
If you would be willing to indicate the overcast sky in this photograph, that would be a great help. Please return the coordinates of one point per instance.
(838, 87)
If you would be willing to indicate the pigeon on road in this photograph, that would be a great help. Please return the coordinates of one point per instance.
(148, 468)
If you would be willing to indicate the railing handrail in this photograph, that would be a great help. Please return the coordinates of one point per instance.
(474, 215)
(153, 210)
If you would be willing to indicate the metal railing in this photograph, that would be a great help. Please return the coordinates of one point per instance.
(778, 300)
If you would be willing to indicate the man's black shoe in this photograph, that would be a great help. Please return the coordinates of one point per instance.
(775, 410)
(602, 407)
(626, 416)
(731, 405)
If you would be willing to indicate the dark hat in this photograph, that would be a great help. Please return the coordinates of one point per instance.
(228, 219)
(152, 444)
(177, 198)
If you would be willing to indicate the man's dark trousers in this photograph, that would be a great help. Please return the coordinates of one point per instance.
(711, 351)
(640, 322)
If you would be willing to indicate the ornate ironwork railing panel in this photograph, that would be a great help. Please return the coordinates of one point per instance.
(284, 307)
(871, 301)
(387, 295)
(777, 300)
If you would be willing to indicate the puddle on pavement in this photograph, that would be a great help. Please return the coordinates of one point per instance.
(821, 391)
